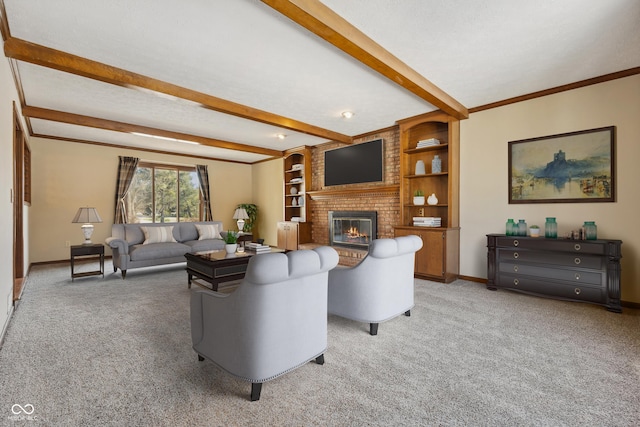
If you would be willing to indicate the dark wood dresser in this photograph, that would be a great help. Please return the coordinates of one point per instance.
(573, 270)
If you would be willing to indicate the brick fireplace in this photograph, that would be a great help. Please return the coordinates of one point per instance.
(382, 198)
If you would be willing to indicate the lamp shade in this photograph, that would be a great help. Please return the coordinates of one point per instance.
(240, 213)
(86, 216)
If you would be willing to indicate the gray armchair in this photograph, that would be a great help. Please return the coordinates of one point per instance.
(380, 287)
(274, 322)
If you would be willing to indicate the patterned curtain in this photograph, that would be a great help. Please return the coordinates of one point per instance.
(203, 177)
(126, 170)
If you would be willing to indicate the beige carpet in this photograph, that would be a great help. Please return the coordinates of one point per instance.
(117, 352)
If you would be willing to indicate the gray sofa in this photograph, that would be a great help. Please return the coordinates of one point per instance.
(127, 243)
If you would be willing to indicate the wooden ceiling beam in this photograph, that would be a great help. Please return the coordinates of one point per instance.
(76, 119)
(40, 55)
(4, 25)
(325, 23)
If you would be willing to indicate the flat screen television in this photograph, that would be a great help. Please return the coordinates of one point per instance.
(355, 164)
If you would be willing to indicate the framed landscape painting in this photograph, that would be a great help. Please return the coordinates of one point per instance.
(574, 167)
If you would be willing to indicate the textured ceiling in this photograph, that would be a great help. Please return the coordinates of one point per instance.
(246, 52)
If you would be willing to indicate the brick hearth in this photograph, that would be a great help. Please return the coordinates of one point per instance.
(384, 197)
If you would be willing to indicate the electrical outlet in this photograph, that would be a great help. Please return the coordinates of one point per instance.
(67, 244)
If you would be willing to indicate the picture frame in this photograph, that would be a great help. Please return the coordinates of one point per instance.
(574, 167)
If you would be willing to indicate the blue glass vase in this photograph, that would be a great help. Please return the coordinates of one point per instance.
(551, 228)
(511, 226)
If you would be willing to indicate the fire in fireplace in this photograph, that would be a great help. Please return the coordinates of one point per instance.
(353, 229)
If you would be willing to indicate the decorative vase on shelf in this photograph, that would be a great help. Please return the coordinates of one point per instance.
(534, 231)
(436, 164)
(293, 190)
(294, 202)
(418, 200)
(432, 199)
(300, 201)
(420, 170)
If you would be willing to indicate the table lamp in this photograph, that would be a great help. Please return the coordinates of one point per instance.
(87, 216)
(240, 214)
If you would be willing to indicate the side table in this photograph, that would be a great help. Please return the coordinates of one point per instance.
(93, 250)
(245, 237)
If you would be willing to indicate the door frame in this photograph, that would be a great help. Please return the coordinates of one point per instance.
(19, 143)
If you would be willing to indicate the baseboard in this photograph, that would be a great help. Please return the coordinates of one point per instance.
(6, 325)
(473, 279)
(61, 261)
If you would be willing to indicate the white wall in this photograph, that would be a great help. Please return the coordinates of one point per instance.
(484, 206)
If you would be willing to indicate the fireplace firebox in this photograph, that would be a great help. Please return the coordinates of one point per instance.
(352, 229)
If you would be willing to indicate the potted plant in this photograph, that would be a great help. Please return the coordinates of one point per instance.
(534, 231)
(418, 197)
(231, 241)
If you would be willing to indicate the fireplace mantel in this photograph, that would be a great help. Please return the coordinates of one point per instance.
(387, 190)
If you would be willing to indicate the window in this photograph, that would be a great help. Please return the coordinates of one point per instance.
(27, 174)
(161, 193)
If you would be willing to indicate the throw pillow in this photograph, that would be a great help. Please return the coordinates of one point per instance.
(208, 231)
(158, 234)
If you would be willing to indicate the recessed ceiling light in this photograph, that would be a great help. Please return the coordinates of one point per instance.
(347, 114)
(281, 136)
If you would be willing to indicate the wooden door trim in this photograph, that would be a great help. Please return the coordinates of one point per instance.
(18, 204)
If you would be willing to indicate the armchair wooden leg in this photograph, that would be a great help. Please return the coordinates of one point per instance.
(407, 313)
(255, 391)
(320, 359)
(373, 328)
(124, 274)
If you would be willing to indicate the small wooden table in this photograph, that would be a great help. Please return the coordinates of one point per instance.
(95, 249)
(216, 267)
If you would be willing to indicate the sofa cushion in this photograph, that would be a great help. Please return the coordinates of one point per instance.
(158, 234)
(185, 231)
(133, 234)
(157, 251)
(205, 245)
(208, 231)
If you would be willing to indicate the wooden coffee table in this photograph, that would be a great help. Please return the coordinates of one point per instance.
(217, 267)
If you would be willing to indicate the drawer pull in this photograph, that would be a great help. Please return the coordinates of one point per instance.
(515, 255)
(516, 282)
(577, 291)
(577, 261)
(516, 243)
(576, 247)
(515, 268)
(577, 276)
